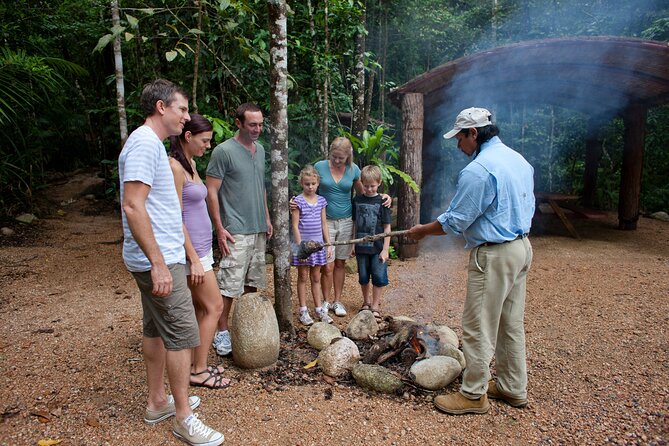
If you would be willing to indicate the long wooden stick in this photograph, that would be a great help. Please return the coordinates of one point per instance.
(368, 238)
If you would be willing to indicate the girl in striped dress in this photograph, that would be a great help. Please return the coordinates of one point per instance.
(308, 222)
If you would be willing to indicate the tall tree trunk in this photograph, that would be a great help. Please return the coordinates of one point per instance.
(279, 154)
(325, 109)
(551, 143)
(321, 89)
(118, 70)
(359, 123)
(196, 61)
(495, 8)
(370, 94)
(384, 59)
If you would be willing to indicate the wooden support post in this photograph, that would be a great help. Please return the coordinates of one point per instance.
(411, 158)
(593, 154)
(634, 118)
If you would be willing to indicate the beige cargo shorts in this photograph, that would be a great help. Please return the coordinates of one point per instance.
(245, 266)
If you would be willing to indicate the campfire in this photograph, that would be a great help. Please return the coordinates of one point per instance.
(400, 351)
(411, 341)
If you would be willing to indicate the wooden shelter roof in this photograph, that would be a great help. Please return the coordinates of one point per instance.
(599, 76)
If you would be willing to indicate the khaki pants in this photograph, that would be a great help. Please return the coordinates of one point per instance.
(492, 321)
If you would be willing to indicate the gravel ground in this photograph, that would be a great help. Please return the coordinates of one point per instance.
(597, 323)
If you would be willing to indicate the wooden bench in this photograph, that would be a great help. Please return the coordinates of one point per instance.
(591, 214)
(556, 201)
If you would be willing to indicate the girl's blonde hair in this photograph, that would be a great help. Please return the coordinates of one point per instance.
(309, 171)
(342, 144)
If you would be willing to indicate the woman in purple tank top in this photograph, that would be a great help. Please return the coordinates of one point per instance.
(194, 140)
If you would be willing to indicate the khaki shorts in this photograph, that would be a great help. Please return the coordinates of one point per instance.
(171, 318)
(245, 266)
(341, 229)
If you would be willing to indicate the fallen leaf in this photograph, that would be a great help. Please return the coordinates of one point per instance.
(93, 422)
(330, 380)
(42, 415)
(311, 364)
(48, 442)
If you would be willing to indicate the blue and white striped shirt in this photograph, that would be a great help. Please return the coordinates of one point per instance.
(494, 199)
(144, 159)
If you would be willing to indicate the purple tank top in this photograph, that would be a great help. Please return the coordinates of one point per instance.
(196, 218)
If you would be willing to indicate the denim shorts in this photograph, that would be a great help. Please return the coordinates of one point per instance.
(370, 265)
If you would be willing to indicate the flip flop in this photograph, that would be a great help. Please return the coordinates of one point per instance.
(363, 308)
(377, 315)
(217, 382)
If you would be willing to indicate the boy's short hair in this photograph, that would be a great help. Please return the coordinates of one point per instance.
(370, 173)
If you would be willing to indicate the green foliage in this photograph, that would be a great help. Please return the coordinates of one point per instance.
(392, 252)
(380, 149)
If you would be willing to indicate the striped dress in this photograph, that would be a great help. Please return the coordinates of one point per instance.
(310, 227)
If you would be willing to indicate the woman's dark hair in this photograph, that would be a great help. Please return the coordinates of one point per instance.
(197, 124)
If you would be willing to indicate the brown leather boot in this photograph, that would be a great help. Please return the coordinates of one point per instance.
(457, 404)
(496, 394)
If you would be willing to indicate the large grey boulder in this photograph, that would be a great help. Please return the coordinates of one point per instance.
(436, 372)
(26, 218)
(446, 335)
(362, 326)
(7, 231)
(455, 353)
(321, 334)
(376, 377)
(338, 357)
(660, 216)
(254, 332)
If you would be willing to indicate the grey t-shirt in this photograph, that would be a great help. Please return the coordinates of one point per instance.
(242, 194)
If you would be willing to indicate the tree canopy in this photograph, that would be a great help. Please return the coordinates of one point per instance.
(58, 107)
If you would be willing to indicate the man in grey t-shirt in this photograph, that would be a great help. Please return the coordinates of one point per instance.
(237, 203)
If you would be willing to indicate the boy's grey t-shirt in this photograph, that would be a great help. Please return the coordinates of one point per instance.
(369, 216)
(242, 194)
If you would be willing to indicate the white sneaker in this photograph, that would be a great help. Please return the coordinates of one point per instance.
(339, 309)
(325, 305)
(224, 345)
(305, 318)
(196, 433)
(218, 337)
(156, 416)
(323, 315)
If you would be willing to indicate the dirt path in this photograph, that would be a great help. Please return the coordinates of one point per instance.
(597, 322)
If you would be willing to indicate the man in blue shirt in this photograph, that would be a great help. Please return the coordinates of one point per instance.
(492, 209)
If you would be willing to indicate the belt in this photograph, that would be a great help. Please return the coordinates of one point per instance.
(506, 241)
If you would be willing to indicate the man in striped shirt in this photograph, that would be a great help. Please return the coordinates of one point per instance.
(153, 251)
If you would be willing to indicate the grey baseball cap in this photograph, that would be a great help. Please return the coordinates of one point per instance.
(470, 118)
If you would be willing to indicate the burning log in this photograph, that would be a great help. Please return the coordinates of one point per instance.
(308, 247)
(411, 341)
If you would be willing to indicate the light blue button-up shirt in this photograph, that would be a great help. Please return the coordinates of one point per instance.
(494, 199)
